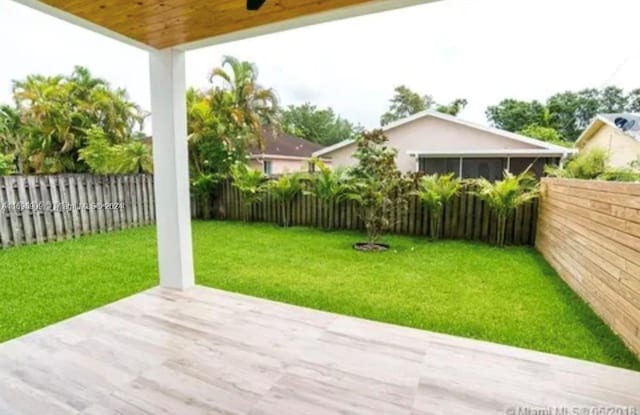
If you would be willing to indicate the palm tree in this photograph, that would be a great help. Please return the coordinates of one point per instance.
(435, 191)
(329, 186)
(250, 184)
(58, 113)
(49, 119)
(285, 189)
(134, 158)
(255, 106)
(506, 195)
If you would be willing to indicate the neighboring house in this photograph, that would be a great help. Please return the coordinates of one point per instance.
(432, 142)
(619, 134)
(283, 153)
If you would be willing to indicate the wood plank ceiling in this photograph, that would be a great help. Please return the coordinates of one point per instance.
(167, 23)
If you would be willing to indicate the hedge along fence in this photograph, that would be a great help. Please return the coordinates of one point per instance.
(38, 209)
(590, 233)
(465, 217)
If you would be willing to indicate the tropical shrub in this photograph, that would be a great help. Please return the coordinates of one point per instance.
(250, 184)
(378, 186)
(585, 165)
(504, 196)
(12, 135)
(435, 191)
(594, 165)
(329, 186)
(6, 165)
(134, 158)
(98, 154)
(104, 158)
(621, 174)
(285, 189)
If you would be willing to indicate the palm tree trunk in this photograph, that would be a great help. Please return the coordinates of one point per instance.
(206, 206)
(502, 228)
(283, 208)
(435, 223)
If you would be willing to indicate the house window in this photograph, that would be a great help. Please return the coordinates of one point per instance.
(489, 168)
(268, 167)
(520, 164)
(440, 165)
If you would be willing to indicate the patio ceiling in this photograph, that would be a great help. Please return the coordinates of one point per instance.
(163, 24)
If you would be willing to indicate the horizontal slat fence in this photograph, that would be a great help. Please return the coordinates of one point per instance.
(589, 231)
(38, 209)
(465, 217)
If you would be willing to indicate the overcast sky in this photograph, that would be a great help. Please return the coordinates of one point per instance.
(482, 50)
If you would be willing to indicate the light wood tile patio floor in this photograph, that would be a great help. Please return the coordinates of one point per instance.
(205, 351)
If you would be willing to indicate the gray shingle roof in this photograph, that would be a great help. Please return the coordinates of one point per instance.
(283, 144)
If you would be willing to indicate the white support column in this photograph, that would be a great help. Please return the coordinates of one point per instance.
(171, 168)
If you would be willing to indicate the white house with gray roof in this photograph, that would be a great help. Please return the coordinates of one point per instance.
(433, 142)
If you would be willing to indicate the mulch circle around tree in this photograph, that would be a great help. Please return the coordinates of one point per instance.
(367, 247)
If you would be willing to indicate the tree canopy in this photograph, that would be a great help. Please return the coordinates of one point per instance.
(568, 112)
(319, 125)
(53, 117)
(406, 102)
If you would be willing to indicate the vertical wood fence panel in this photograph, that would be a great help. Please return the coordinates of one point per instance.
(589, 231)
(38, 209)
(465, 217)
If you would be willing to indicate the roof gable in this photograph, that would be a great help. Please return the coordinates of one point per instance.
(631, 129)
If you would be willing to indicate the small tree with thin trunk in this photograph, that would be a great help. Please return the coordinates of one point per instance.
(506, 195)
(285, 189)
(378, 186)
(435, 191)
(250, 184)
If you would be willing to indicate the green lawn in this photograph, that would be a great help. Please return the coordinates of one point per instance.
(508, 296)
(43, 284)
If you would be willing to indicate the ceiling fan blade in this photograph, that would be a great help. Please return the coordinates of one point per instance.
(254, 4)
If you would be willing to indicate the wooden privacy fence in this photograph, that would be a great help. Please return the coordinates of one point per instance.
(590, 232)
(37, 209)
(465, 217)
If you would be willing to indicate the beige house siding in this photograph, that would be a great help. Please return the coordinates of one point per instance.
(343, 156)
(281, 166)
(440, 135)
(622, 148)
